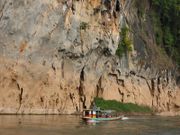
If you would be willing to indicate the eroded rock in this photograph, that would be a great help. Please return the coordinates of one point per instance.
(56, 56)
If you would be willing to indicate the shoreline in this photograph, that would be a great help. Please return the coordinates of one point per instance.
(165, 114)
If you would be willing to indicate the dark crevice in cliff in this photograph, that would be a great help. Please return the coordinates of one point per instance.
(18, 86)
(167, 77)
(102, 52)
(1, 11)
(20, 98)
(99, 87)
(149, 86)
(42, 101)
(81, 88)
(82, 75)
(53, 67)
(117, 5)
(122, 94)
(152, 86)
(75, 56)
(62, 68)
(119, 81)
(72, 97)
(107, 4)
(158, 83)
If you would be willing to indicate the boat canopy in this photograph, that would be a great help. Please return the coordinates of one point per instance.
(108, 111)
(103, 111)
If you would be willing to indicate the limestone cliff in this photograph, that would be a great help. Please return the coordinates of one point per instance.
(57, 55)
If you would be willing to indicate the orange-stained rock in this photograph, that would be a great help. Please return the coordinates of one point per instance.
(56, 56)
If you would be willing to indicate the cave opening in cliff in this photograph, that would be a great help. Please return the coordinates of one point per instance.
(117, 5)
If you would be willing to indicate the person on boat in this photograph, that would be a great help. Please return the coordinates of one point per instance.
(94, 107)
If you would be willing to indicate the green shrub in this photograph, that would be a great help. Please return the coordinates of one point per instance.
(84, 25)
(165, 16)
(121, 107)
(157, 27)
(125, 44)
(169, 38)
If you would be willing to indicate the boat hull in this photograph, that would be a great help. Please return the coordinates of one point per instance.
(102, 119)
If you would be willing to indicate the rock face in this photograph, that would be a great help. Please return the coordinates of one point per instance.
(57, 55)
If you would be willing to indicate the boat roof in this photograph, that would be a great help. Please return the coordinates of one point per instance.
(104, 111)
(108, 111)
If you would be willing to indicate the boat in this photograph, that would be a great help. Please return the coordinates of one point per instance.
(90, 115)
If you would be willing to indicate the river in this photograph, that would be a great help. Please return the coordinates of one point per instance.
(73, 125)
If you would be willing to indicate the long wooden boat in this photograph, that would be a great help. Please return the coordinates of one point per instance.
(90, 115)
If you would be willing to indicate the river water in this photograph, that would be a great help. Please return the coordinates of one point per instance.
(73, 125)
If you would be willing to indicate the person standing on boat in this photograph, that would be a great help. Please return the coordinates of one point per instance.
(94, 107)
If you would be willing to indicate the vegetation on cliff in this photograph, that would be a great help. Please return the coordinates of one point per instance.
(121, 107)
(165, 16)
(84, 25)
(125, 43)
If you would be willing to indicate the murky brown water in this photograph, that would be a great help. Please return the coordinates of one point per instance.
(73, 125)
